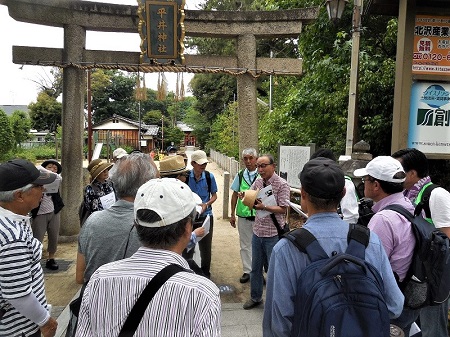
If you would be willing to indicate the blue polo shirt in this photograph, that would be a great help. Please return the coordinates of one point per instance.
(200, 187)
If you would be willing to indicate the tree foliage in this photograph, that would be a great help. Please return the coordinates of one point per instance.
(213, 93)
(6, 136)
(113, 93)
(314, 107)
(45, 113)
(20, 126)
(172, 135)
(224, 134)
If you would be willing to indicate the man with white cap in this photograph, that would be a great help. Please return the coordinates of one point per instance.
(23, 305)
(204, 185)
(185, 305)
(383, 179)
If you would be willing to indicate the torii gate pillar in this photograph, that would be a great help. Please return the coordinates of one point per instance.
(246, 91)
(74, 83)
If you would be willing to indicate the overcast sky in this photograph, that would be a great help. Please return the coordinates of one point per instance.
(17, 86)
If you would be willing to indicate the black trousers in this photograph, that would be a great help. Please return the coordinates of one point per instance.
(205, 246)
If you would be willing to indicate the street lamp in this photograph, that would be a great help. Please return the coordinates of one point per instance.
(335, 9)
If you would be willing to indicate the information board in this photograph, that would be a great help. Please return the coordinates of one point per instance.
(291, 160)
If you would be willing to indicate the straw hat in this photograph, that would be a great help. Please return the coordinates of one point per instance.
(96, 167)
(250, 197)
(172, 165)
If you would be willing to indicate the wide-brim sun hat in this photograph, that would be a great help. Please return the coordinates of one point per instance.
(172, 165)
(96, 167)
(249, 198)
(55, 162)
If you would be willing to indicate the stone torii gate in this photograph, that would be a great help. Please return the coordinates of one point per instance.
(77, 17)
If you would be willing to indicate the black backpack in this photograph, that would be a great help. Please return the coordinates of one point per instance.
(427, 281)
(342, 295)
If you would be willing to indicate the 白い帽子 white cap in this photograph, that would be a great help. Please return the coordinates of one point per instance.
(170, 198)
(199, 157)
(384, 168)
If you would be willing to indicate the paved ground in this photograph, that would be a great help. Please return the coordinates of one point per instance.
(226, 270)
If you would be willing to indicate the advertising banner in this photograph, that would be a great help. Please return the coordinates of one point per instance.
(429, 122)
(431, 45)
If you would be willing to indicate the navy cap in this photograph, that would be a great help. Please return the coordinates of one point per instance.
(322, 178)
(18, 173)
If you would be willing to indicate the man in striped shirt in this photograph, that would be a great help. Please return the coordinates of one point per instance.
(186, 305)
(23, 306)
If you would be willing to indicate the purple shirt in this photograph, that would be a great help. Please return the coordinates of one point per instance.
(264, 227)
(394, 232)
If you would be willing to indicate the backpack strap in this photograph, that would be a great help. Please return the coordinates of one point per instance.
(208, 180)
(241, 176)
(358, 238)
(136, 313)
(401, 210)
(306, 243)
(424, 203)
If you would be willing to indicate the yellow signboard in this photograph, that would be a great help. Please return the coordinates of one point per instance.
(431, 45)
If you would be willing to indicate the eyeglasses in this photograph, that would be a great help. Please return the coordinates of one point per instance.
(367, 178)
(264, 165)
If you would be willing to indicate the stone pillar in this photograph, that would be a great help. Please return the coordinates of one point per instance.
(246, 89)
(74, 84)
(403, 74)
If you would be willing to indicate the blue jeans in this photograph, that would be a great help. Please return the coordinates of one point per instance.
(406, 319)
(261, 251)
(434, 320)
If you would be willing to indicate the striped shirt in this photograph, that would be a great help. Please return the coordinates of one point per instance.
(186, 305)
(20, 271)
(264, 227)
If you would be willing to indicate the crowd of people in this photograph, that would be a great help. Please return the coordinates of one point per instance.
(137, 240)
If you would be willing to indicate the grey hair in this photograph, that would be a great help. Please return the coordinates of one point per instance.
(249, 151)
(8, 196)
(131, 172)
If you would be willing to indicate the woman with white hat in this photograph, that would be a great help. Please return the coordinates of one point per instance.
(46, 217)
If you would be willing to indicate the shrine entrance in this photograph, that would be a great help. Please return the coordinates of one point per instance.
(77, 17)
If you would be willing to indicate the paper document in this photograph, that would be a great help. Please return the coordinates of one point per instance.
(206, 225)
(53, 187)
(108, 200)
(267, 198)
(297, 208)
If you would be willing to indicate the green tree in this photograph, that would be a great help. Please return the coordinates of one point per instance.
(199, 123)
(6, 136)
(20, 125)
(113, 93)
(320, 97)
(52, 85)
(172, 135)
(224, 134)
(213, 93)
(45, 113)
(152, 117)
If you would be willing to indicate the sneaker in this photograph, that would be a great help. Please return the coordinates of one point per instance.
(244, 278)
(51, 264)
(250, 304)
